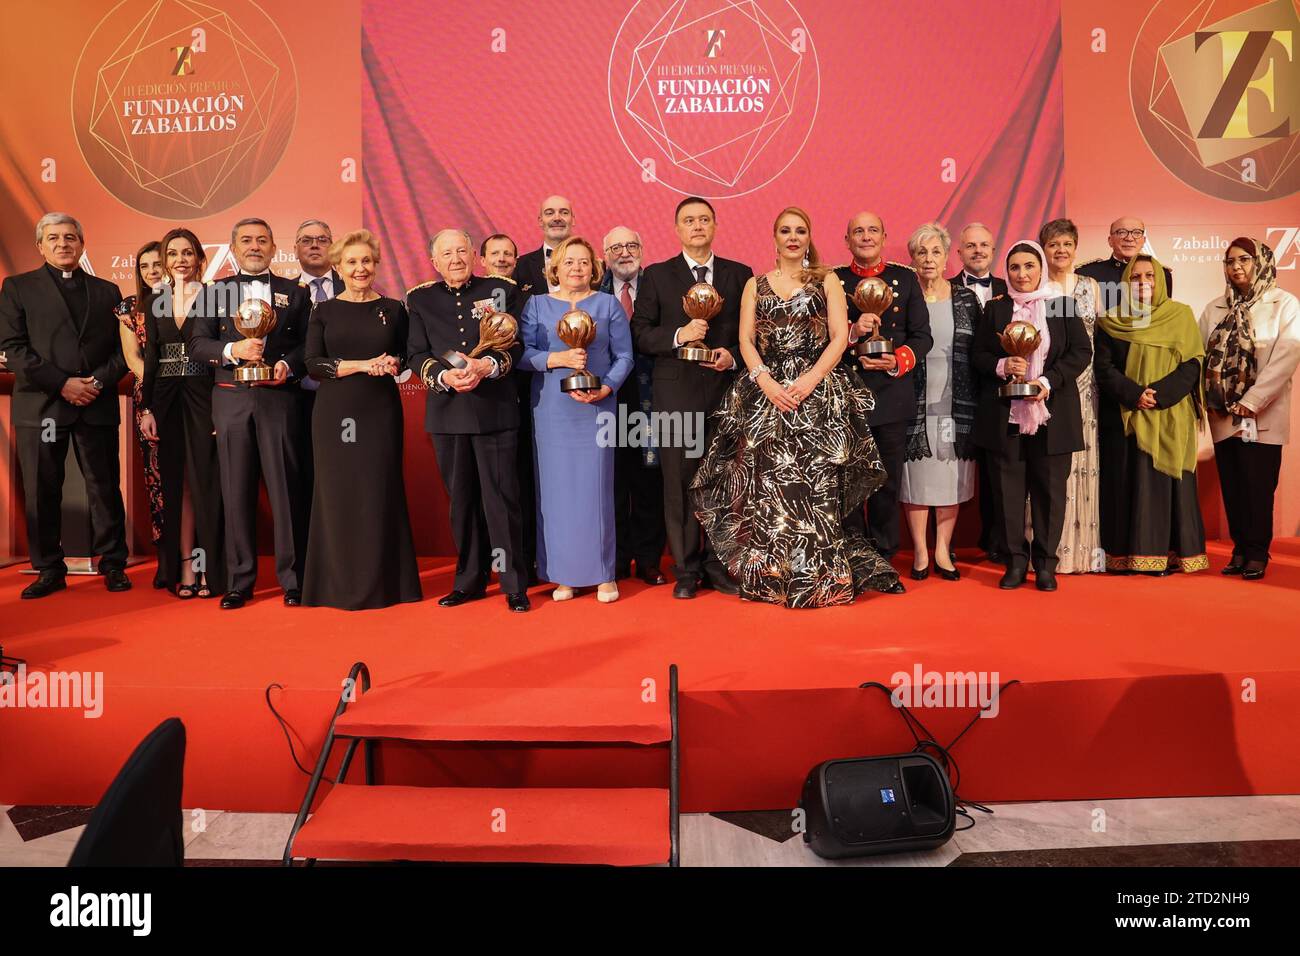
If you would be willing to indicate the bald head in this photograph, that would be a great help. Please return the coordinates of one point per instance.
(865, 237)
(1127, 235)
(623, 253)
(556, 219)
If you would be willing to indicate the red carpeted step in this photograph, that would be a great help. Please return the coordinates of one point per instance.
(627, 827)
(554, 714)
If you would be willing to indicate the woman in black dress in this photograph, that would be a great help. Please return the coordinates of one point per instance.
(359, 551)
(176, 396)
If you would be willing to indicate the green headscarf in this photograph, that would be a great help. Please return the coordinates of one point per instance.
(1161, 337)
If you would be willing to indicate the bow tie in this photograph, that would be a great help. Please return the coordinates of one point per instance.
(987, 281)
(245, 277)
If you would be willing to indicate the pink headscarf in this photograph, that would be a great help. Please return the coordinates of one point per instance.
(1031, 307)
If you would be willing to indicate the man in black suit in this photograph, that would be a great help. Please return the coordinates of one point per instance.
(1037, 465)
(555, 217)
(311, 243)
(907, 324)
(975, 247)
(59, 335)
(472, 416)
(689, 390)
(638, 480)
(499, 255)
(259, 425)
(1126, 239)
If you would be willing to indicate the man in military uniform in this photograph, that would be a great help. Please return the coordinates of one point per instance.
(1127, 236)
(472, 416)
(259, 426)
(906, 323)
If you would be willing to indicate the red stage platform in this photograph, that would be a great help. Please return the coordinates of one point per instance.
(1130, 687)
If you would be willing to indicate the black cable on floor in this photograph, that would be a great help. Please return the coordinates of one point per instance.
(284, 727)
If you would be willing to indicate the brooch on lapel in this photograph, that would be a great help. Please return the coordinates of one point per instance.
(281, 300)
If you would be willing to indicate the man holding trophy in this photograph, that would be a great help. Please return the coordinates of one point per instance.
(463, 344)
(254, 331)
(885, 345)
(695, 362)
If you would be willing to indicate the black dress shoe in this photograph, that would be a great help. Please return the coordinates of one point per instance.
(1045, 580)
(650, 575)
(459, 597)
(723, 584)
(948, 575)
(920, 574)
(518, 602)
(233, 600)
(1014, 577)
(1236, 564)
(292, 598)
(116, 580)
(896, 588)
(46, 584)
(685, 588)
(997, 557)
(1254, 570)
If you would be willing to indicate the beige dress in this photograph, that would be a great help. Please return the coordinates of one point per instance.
(1080, 548)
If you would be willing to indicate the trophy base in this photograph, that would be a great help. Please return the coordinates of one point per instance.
(1019, 390)
(873, 348)
(694, 353)
(580, 382)
(451, 361)
(253, 373)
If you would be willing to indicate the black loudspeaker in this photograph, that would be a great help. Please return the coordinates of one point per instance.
(868, 805)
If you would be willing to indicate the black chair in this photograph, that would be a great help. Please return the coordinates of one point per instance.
(138, 821)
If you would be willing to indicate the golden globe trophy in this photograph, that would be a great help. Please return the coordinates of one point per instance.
(255, 319)
(872, 296)
(1019, 339)
(496, 332)
(577, 330)
(701, 301)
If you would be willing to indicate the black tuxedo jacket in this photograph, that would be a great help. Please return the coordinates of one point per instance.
(906, 323)
(999, 285)
(678, 385)
(530, 274)
(213, 326)
(1067, 356)
(442, 319)
(44, 349)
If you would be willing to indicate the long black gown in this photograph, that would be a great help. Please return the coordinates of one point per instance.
(360, 553)
(178, 390)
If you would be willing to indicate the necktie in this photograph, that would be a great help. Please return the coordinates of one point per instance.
(547, 250)
(701, 272)
(318, 293)
(987, 281)
(625, 297)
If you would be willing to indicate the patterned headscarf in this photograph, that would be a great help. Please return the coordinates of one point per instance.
(1230, 365)
(1031, 307)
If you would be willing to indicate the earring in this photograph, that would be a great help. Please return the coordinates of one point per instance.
(805, 260)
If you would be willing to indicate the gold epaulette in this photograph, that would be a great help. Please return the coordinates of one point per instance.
(421, 286)
(1092, 261)
(497, 275)
(901, 265)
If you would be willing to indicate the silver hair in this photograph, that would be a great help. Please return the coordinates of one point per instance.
(251, 221)
(974, 225)
(57, 219)
(441, 232)
(313, 222)
(925, 233)
(604, 243)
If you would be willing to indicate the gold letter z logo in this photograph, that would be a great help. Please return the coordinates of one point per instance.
(1243, 52)
(184, 62)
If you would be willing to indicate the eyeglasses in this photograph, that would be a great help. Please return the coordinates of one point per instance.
(1242, 261)
(314, 240)
(618, 247)
(1129, 233)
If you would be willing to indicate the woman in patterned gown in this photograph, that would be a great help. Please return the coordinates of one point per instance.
(1080, 548)
(793, 455)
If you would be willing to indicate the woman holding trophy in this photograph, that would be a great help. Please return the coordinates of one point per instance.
(793, 456)
(1029, 351)
(360, 553)
(578, 343)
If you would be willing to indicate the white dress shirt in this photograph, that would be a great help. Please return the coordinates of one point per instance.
(982, 292)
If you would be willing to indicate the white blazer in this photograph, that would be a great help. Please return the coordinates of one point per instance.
(1276, 321)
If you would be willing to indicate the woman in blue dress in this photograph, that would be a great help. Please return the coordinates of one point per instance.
(574, 461)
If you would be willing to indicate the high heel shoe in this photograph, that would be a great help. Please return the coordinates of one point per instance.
(607, 593)
(920, 574)
(562, 592)
(947, 574)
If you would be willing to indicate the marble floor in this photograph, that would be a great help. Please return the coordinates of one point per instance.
(1202, 831)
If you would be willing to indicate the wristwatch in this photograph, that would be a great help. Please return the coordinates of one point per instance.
(97, 383)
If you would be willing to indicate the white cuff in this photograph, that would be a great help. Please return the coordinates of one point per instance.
(227, 354)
